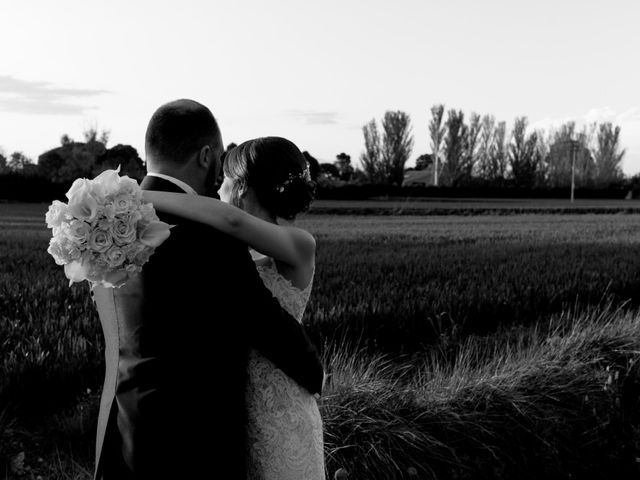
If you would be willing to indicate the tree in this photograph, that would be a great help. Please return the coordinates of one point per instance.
(330, 170)
(585, 164)
(371, 158)
(70, 161)
(397, 144)
(498, 154)
(65, 140)
(3, 162)
(485, 146)
(124, 156)
(455, 146)
(343, 164)
(522, 154)
(542, 153)
(607, 155)
(91, 134)
(424, 161)
(358, 177)
(470, 155)
(568, 146)
(19, 162)
(436, 132)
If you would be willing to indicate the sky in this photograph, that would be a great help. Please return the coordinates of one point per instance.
(314, 72)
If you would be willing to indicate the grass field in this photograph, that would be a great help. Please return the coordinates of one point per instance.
(471, 206)
(434, 275)
(451, 341)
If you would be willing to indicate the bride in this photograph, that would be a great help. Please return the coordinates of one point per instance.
(266, 180)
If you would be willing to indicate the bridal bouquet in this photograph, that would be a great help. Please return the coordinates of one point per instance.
(105, 233)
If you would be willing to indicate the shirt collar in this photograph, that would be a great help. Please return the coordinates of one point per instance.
(179, 183)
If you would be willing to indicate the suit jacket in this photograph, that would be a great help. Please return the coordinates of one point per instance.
(176, 347)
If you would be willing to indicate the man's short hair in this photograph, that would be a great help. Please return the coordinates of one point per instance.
(178, 129)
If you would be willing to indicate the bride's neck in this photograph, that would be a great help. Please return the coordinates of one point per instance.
(251, 205)
(258, 211)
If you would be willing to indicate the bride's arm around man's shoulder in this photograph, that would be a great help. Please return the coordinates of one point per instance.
(286, 243)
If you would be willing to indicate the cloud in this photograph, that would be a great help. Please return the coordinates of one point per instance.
(609, 115)
(628, 118)
(314, 117)
(599, 115)
(42, 98)
(550, 123)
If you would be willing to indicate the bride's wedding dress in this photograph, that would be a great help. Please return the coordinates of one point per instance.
(284, 424)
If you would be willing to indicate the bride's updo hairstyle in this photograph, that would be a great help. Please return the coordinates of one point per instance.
(277, 172)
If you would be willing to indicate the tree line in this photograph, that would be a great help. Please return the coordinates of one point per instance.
(482, 148)
(478, 150)
(76, 159)
(474, 151)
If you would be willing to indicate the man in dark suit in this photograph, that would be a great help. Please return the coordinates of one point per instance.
(177, 336)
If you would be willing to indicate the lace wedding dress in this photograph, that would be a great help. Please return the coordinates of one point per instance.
(284, 424)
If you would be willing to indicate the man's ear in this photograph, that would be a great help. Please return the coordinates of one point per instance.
(205, 157)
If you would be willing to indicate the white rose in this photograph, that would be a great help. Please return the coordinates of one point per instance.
(115, 257)
(78, 231)
(57, 252)
(148, 213)
(124, 230)
(130, 187)
(56, 214)
(123, 203)
(104, 224)
(133, 249)
(63, 251)
(100, 241)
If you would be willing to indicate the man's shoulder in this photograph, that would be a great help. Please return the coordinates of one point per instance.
(184, 230)
(194, 246)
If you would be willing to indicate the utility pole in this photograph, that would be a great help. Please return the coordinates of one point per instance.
(574, 151)
(435, 168)
(573, 145)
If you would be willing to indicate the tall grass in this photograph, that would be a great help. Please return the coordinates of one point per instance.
(50, 337)
(558, 400)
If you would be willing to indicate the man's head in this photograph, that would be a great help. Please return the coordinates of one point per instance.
(183, 140)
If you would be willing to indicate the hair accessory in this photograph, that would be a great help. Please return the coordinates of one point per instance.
(304, 175)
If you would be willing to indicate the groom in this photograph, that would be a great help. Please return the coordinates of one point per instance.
(177, 336)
